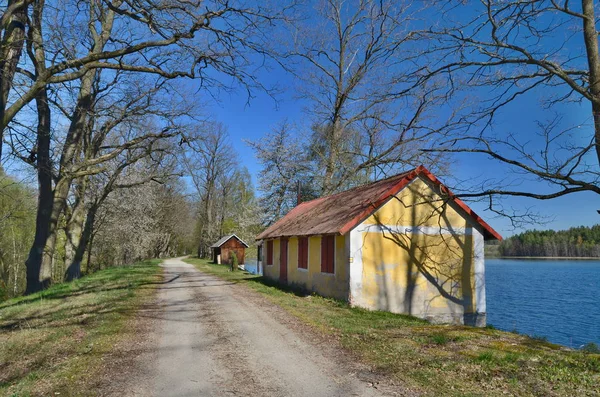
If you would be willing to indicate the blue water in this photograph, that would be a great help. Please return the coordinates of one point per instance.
(251, 266)
(556, 299)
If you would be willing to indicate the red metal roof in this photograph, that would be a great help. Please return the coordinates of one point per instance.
(342, 212)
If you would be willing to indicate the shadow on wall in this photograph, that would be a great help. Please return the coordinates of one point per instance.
(433, 270)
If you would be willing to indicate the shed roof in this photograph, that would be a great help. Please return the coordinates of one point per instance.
(342, 212)
(225, 239)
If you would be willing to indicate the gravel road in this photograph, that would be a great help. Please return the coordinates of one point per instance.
(213, 338)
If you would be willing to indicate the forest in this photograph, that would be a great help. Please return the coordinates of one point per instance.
(110, 153)
(579, 241)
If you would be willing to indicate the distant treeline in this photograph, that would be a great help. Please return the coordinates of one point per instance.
(575, 242)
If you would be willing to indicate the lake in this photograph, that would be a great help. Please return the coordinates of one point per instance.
(251, 266)
(556, 299)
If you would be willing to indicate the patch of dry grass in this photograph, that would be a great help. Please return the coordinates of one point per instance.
(55, 341)
(437, 360)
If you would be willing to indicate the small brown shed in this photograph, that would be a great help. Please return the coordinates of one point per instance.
(226, 245)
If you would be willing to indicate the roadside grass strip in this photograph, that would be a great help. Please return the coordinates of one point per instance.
(56, 342)
(436, 360)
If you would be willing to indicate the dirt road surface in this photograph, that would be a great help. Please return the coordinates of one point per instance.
(210, 337)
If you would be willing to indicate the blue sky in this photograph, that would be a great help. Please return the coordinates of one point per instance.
(250, 121)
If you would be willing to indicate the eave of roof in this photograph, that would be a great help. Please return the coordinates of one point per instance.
(486, 227)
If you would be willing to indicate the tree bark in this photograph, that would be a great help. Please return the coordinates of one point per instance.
(85, 241)
(15, 262)
(331, 163)
(11, 48)
(71, 149)
(88, 238)
(36, 279)
(42, 252)
(74, 231)
(590, 36)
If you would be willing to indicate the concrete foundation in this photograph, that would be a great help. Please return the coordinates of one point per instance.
(475, 319)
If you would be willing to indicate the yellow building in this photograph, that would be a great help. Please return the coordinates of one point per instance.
(404, 244)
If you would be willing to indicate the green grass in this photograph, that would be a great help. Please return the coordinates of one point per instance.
(436, 360)
(54, 341)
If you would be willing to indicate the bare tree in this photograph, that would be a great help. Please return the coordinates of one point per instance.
(12, 30)
(142, 236)
(211, 161)
(285, 165)
(355, 60)
(166, 39)
(534, 51)
(240, 208)
(163, 226)
(116, 137)
(175, 38)
(36, 278)
(92, 191)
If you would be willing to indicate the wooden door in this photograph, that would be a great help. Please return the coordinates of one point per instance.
(283, 259)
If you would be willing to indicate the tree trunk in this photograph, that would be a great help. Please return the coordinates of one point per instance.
(71, 149)
(590, 36)
(86, 238)
(90, 245)
(333, 141)
(74, 231)
(15, 262)
(11, 48)
(36, 279)
(58, 203)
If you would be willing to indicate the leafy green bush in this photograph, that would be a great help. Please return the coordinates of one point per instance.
(234, 261)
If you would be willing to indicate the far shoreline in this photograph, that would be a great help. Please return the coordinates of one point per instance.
(570, 258)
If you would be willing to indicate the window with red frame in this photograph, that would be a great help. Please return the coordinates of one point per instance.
(327, 254)
(269, 252)
(302, 252)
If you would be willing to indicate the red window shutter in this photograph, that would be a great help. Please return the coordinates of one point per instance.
(300, 256)
(270, 252)
(303, 252)
(306, 252)
(331, 253)
(327, 254)
(324, 254)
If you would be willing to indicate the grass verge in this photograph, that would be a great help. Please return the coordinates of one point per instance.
(436, 359)
(54, 342)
